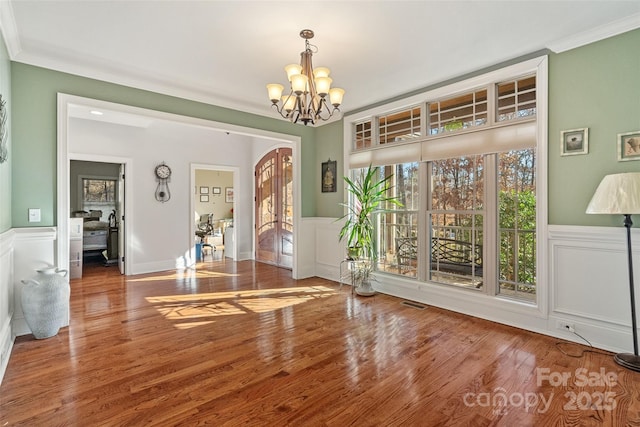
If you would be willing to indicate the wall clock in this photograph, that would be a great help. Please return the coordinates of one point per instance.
(163, 173)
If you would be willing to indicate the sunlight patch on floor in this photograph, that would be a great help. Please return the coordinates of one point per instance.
(191, 310)
(184, 274)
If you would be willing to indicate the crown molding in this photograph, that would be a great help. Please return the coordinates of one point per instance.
(602, 32)
(9, 29)
(92, 68)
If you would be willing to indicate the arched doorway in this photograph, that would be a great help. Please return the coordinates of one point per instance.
(274, 208)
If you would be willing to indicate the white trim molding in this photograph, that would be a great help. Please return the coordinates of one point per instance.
(602, 32)
(7, 299)
(589, 283)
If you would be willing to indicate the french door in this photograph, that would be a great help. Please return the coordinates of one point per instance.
(274, 208)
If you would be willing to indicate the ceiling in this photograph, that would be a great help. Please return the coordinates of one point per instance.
(225, 52)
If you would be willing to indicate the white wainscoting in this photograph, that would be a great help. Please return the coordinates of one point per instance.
(589, 283)
(33, 248)
(6, 299)
(329, 251)
(319, 252)
(22, 252)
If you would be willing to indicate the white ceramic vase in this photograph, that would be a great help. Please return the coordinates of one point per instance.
(45, 302)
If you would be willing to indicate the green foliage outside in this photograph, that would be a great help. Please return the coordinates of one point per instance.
(517, 226)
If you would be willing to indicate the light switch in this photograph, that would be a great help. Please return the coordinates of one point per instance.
(34, 215)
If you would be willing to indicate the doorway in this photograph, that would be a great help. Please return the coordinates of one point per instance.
(213, 211)
(96, 206)
(274, 208)
(126, 137)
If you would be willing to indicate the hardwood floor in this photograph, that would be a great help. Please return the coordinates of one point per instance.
(244, 344)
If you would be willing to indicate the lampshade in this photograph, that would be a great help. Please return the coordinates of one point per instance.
(299, 83)
(335, 96)
(617, 194)
(292, 69)
(323, 84)
(275, 91)
(321, 72)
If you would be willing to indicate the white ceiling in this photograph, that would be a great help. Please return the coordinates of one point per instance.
(225, 52)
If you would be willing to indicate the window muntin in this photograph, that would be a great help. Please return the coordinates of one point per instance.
(399, 126)
(458, 112)
(517, 224)
(516, 99)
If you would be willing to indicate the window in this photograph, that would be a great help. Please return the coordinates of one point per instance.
(400, 126)
(516, 99)
(362, 138)
(456, 221)
(459, 112)
(466, 175)
(99, 195)
(398, 225)
(517, 224)
(459, 194)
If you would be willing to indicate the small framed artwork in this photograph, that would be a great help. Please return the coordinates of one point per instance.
(204, 190)
(204, 198)
(328, 176)
(629, 146)
(216, 190)
(573, 142)
(228, 194)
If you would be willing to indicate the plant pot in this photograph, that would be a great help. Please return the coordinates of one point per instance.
(45, 302)
(354, 252)
(365, 289)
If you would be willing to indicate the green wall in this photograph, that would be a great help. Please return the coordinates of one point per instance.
(329, 140)
(5, 168)
(597, 87)
(34, 128)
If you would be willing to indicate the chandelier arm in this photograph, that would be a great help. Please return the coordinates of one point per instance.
(278, 109)
(330, 110)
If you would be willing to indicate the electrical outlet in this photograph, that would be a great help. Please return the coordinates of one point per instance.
(565, 326)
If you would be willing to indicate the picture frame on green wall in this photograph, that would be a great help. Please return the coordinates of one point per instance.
(329, 170)
(574, 142)
(629, 146)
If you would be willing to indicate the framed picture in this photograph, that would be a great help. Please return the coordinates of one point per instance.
(328, 176)
(629, 146)
(228, 194)
(204, 190)
(573, 142)
(204, 198)
(216, 190)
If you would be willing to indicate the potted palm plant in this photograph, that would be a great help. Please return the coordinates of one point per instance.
(368, 191)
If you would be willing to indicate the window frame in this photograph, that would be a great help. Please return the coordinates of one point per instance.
(376, 155)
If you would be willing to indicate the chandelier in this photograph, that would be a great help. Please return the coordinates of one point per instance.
(309, 87)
